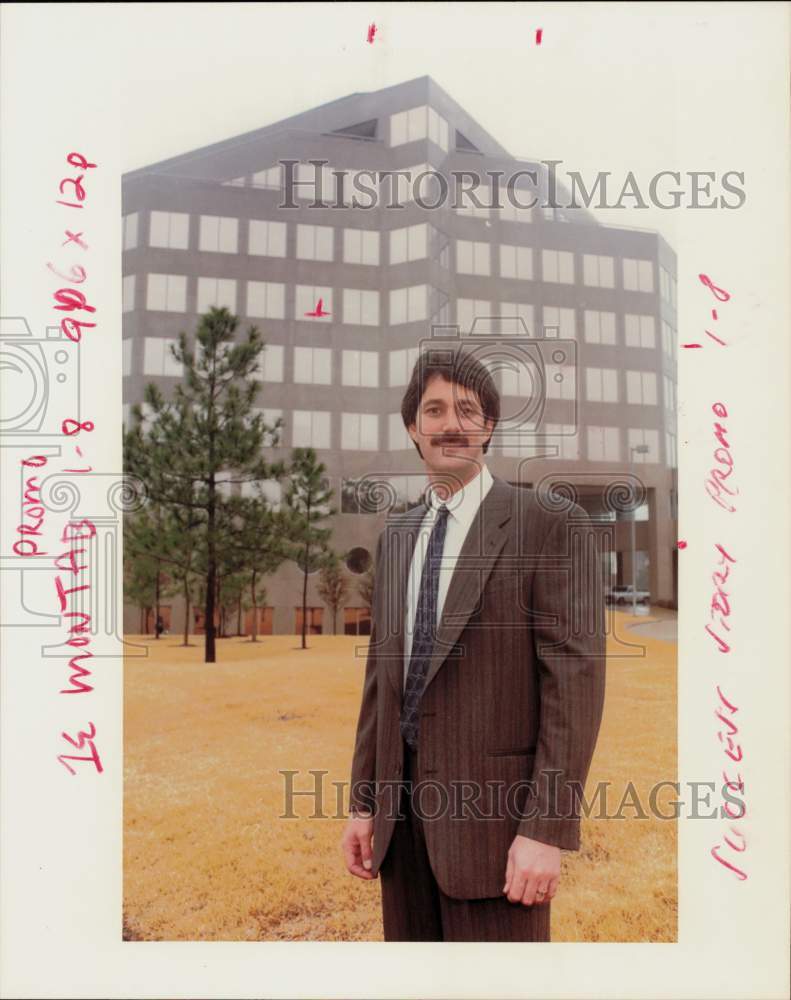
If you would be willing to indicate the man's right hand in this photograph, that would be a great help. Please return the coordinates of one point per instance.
(356, 844)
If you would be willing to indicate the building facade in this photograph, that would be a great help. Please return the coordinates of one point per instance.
(576, 319)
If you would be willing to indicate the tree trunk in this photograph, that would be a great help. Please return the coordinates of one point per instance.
(254, 637)
(210, 653)
(305, 576)
(239, 617)
(186, 612)
(156, 609)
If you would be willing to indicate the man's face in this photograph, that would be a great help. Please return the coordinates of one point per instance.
(450, 428)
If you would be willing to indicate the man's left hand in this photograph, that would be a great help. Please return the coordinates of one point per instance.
(532, 872)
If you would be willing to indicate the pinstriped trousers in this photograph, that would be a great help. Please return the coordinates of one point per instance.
(414, 908)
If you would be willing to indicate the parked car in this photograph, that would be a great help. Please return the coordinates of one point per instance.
(622, 594)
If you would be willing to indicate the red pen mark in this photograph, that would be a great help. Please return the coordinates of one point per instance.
(692, 345)
(713, 313)
(681, 544)
(539, 35)
(710, 334)
(319, 310)
(79, 743)
(715, 484)
(719, 293)
(74, 238)
(75, 426)
(728, 788)
(371, 33)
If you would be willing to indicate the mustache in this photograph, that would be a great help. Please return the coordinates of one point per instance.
(450, 439)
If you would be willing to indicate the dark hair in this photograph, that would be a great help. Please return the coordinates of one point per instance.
(455, 366)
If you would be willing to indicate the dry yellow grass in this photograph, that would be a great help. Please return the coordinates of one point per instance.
(206, 857)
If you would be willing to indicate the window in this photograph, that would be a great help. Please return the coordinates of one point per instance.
(126, 347)
(360, 307)
(314, 242)
(313, 365)
(518, 380)
(270, 488)
(169, 230)
(407, 305)
(167, 292)
(266, 299)
(560, 381)
(643, 436)
(599, 327)
(516, 262)
(360, 368)
(157, 357)
(671, 453)
(564, 439)
(219, 292)
(599, 272)
(510, 315)
(670, 393)
(409, 243)
(419, 123)
(266, 239)
(313, 183)
(270, 363)
(474, 314)
(558, 266)
(641, 388)
(307, 299)
(237, 182)
(560, 319)
(360, 246)
(468, 198)
(219, 234)
(398, 436)
(269, 178)
(520, 441)
(472, 257)
(311, 428)
(638, 275)
(668, 340)
(402, 364)
(129, 231)
(604, 444)
(438, 130)
(360, 431)
(601, 385)
(128, 293)
(639, 330)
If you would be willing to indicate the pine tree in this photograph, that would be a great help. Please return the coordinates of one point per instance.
(306, 507)
(333, 587)
(207, 434)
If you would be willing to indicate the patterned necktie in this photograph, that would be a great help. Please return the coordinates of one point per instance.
(423, 635)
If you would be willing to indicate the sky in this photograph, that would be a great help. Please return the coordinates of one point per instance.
(599, 93)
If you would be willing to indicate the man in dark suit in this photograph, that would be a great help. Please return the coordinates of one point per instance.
(484, 685)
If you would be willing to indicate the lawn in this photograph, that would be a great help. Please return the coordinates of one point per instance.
(206, 857)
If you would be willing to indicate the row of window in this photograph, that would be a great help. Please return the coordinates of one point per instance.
(267, 300)
(360, 432)
(267, 238)
(314, 366)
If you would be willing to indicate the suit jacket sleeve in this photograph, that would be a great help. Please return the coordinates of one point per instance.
(363, 777)
(570, 654)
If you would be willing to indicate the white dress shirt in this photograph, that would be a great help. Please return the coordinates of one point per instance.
(462, 508)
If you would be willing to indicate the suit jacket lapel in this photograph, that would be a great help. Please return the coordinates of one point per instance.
(485, 539)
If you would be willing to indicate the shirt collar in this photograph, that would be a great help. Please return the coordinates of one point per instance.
(464, 504)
